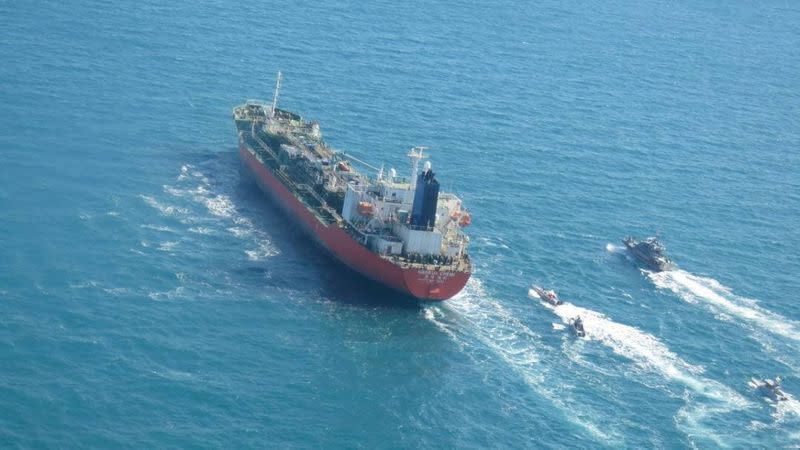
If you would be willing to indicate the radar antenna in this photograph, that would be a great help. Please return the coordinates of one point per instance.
(416, 154)
(275, 96)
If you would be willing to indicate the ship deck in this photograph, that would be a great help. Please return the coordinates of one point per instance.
(301, 135)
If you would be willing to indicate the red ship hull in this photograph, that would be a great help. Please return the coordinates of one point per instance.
(423, 284)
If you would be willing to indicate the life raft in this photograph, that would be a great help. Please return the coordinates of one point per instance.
(366, 208)
(465, 220)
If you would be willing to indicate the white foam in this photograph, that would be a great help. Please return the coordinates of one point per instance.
(239, 220)
(494, 242)
(618, 249)
(756, 425)
(240, 232)
(516, 344)
(158, 228)
(695, 289)
(220, 205)
(264, 250)
(435, 316)
(651, 355)
(175, 375)
(167, 210)
(175, 192)
(85, 284)
(167, 246)
(200, 230)
(169, 295)
(217, 204)
(690, 419)
(117, 291)
(96, 284)
(647, 352)
(786, 409)
(184, 172)
(642, 348)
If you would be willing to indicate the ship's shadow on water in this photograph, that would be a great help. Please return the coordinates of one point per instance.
(298, 252)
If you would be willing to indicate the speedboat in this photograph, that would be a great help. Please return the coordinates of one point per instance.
(576, 323)
(770, 388)
(650, 252)
(548, 296)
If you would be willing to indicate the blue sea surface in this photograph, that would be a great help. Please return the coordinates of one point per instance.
(152, 297)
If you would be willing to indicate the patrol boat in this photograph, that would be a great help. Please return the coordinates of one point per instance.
(650, 252)
(770, 388)
(576, 323)
(548, 296)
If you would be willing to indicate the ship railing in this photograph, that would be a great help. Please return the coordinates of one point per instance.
(446, 196)
(459, 264)
(306, 188)
(323, 206)
(455, 237)
(264, 146)
(419, 228)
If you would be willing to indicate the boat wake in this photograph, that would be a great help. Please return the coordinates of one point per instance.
(643, 349)
(787, 409)
(193, 185)
(191, 208)
(219, 205)
(696, 289)
(515, 344)
(651, 355)
(167, 210)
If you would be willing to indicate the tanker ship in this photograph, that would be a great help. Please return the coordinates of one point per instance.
(403, 233)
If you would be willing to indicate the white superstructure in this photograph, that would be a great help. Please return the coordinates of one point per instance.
(381, 209)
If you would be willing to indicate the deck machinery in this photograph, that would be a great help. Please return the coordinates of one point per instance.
(402, 232)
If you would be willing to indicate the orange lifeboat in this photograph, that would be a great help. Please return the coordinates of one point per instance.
(366, 208)
(465, 220)
(455, 215)
(342, 167)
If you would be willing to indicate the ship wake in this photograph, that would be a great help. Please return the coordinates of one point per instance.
(788, 409)
(197, 187)
(652, 356)
(474, 314)
(646, 351)
(697, 289)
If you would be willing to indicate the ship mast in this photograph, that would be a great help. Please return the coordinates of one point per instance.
(275, 96)
(416, 154)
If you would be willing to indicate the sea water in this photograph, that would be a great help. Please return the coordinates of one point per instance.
(151, 297)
